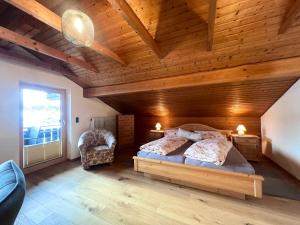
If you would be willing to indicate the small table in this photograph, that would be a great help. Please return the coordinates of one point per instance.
(248, 145)
(156, 134)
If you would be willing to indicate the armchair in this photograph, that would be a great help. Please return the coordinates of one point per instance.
(12, 192)
(96, 147)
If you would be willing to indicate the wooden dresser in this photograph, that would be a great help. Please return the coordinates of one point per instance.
(156, 134)
(249, 146)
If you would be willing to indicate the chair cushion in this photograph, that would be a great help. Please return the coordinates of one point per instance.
(100, 148)
(103, 155)
(12, 191)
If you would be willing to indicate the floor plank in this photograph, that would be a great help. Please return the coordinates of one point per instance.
(65, 194)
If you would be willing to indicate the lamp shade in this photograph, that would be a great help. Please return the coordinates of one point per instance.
(241, 129)
(77, 28)
(158, 126)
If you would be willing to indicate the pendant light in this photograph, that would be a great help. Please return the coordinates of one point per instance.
(77, 28)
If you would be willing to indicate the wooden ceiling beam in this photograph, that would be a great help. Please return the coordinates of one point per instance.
(211, 23)
(50, 18)
(124, 9)
(26, 42)
(290, 17)
(284, 68)
(18, 21)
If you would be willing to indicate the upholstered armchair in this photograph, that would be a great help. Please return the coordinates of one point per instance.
(12, 192)
(96, 147)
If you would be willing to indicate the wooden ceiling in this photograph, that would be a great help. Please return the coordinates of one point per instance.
(146, 40)
(246, 31)
(240, 99)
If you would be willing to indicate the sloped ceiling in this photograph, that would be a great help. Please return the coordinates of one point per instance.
(245, 32)
(249, 99)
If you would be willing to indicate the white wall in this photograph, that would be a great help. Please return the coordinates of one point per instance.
(281, 131)
(12, 73)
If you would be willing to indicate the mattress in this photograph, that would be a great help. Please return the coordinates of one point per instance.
(176, 156)
(234, 162)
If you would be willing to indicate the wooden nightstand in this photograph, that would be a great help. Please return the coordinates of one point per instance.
(156, 134)
(248, 145)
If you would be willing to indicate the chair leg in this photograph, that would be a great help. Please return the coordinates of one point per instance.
(85, 167)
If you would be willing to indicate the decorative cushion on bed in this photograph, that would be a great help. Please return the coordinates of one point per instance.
(164, 145)
(209, 150)
(211, 134)
(193, 136)
(171, 132)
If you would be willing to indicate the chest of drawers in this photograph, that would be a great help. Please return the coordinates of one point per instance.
(248, 145)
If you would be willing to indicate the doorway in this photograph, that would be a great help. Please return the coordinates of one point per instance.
(43, 126)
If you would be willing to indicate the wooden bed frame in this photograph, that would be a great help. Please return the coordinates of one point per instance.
(229, 183)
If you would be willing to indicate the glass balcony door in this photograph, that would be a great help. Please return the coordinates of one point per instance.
(43, 125)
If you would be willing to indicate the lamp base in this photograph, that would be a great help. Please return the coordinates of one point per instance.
(241, 133)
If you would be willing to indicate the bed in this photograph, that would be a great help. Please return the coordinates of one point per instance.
(236, 177)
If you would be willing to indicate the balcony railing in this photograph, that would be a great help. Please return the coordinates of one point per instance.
(41, 135)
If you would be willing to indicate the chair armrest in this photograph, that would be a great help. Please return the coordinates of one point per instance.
(110, 140)
(85, 141)
(113, 146)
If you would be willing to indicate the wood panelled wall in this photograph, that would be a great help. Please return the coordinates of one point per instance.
(143, 124)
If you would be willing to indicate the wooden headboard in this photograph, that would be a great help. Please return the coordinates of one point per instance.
(198, 126)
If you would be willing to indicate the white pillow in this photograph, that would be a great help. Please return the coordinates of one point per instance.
(193, 136)
(170, 132)
(211, 135)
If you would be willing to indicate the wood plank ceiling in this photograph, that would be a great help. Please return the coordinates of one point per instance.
(245, 32)
(240, 99)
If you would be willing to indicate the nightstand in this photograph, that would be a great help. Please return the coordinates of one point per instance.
(248, 145)
(156, 134)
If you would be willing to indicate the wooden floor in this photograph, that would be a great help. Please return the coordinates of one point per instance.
(65, 194)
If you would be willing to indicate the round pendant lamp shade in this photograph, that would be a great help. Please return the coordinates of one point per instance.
(77, 28)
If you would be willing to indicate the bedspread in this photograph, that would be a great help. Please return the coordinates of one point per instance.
(164, 145)
(209, 150)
